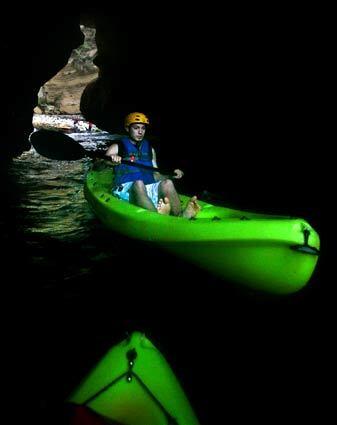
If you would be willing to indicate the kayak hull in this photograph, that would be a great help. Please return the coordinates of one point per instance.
(263, 267)
(259, 251)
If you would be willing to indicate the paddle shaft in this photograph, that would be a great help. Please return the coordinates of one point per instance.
(100, 154)
(145, 167)
(59, 146)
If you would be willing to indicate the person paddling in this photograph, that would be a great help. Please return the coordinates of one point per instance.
(150, 190)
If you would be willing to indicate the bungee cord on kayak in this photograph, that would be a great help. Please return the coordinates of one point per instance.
(129, 375)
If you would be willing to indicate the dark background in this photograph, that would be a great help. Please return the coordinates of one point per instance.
(239, 102)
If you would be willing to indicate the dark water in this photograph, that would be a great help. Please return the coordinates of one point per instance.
(73, 289)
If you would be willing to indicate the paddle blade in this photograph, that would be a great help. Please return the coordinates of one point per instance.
(56, 145)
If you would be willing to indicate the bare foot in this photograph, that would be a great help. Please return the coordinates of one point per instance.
(164, 206)
(192, 208)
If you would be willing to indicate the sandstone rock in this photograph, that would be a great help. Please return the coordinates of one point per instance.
(62, 93)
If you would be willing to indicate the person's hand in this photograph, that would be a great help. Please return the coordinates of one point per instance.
(115, 159)
(178, 174)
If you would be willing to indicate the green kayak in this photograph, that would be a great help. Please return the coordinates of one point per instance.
(269, 253)
(134, 385)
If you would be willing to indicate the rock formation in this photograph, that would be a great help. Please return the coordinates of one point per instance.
(62, 93)
(37, 52)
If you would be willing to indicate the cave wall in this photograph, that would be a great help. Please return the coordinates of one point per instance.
(39, 45)
(62, 93)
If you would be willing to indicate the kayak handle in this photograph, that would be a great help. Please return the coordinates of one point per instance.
(306, 248)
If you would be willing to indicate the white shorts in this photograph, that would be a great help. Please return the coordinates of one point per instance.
(123, 191)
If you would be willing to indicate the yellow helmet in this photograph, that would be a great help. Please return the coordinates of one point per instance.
(136, 117)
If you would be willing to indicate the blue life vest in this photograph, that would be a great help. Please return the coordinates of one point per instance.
(139, 153)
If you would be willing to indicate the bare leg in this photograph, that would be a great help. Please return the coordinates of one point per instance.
(167, 189)
(138, 196)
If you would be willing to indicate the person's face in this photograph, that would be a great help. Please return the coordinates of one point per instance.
(137, 131)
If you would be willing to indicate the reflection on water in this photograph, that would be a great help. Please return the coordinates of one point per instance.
(51, 192)
(50, 218)
(52, 199)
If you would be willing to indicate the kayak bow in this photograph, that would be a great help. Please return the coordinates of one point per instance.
(133, 384)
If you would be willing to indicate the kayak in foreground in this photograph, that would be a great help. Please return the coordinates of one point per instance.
(132, 384)
(269, 253)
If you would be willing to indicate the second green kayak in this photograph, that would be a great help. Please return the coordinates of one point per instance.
(133, 384)
(269, 253)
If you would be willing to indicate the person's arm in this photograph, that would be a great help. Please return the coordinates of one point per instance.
(112, 152)
(158, 176)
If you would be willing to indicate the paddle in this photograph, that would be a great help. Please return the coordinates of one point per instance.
(56, 145)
